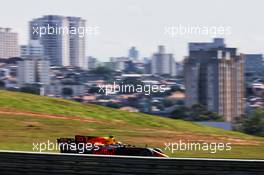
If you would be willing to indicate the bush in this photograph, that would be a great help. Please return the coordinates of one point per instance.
(251, 124)
(2, 84)
(196, 112)
(31, 89)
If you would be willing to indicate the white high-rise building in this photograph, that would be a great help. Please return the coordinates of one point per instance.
(133, 53)
(63, 39)
(8, 43)
(26, 72)
(92, 63)
(163, 63)
(31, 71)
(214, 78)
(77, 44)
(56, 45)
(43, 72)
(33, 49)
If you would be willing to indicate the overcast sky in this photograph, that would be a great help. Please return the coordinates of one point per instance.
(140, 23)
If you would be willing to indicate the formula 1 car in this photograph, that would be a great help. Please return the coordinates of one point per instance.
(104, 146)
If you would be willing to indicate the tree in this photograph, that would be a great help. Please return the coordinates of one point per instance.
(114, 105)
(95, 90)
(31, 88)
(196, 112)
(103, 71)
(67, 91)
(132, 81)
(131, 84)
(252, 124)
(181, 112)
(167, 103)
(2, 84)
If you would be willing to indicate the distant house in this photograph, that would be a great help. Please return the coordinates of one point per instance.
(129, 109)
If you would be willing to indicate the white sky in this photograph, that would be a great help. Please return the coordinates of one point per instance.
(140, 23)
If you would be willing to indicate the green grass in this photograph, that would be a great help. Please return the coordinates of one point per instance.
(19, 130)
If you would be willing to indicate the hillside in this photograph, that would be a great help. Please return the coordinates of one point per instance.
(26, 118)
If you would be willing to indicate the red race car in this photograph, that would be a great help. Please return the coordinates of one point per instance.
(104, 145)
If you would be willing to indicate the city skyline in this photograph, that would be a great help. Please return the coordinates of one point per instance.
(137, 23)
